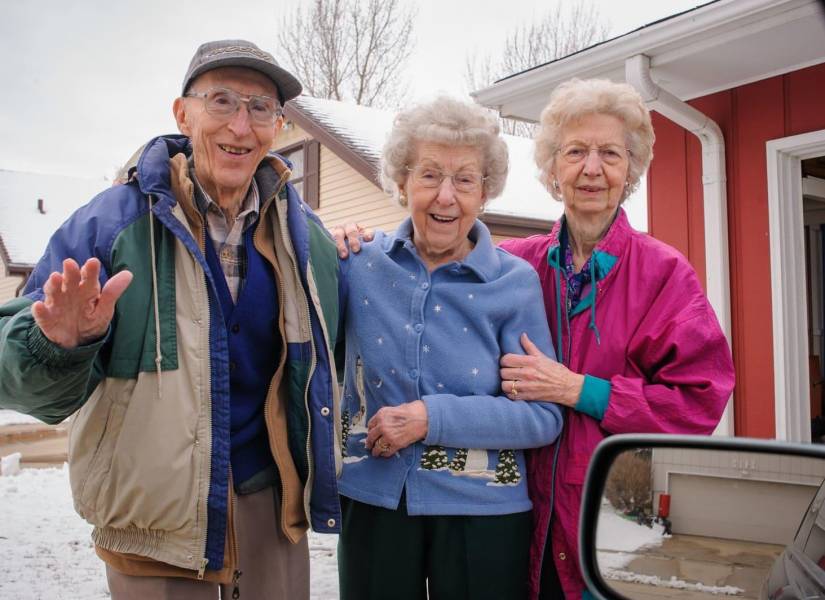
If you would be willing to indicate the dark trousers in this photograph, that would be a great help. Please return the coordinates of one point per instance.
(549, 584)
(389, 554)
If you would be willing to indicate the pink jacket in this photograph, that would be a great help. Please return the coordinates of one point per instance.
(653, 336)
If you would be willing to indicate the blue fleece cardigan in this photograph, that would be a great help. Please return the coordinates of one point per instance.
(438, 336)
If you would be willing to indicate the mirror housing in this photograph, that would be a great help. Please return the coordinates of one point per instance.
(606, 454)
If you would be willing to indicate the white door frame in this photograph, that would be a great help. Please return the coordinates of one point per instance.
(789, 310)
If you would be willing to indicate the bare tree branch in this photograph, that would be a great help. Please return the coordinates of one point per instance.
(564, 29)
(350, 49)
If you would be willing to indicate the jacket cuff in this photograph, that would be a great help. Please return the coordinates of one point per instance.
(49, 353)
(594, 397)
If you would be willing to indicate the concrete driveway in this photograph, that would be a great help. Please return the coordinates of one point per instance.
(712, 562)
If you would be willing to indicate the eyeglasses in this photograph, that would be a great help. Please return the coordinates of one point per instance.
(224, 103)
(431, 177)
(610, 154)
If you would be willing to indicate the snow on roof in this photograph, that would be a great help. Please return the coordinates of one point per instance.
(24, 231)
(364, 129)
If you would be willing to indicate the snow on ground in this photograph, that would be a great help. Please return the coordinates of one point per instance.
(10, 417)
(619, 540)
(47, 552)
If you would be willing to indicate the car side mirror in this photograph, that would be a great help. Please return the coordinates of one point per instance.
(688, 516)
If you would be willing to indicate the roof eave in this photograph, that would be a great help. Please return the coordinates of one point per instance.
(364, 165)
(693, 29)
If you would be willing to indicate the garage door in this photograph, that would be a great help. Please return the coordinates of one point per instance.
(737, 509)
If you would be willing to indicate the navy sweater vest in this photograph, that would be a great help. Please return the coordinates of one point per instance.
(255, 347)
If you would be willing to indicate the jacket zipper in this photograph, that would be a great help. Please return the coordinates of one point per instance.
(204, 559)
(308, 325)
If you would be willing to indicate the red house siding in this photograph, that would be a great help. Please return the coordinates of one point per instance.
(749, 116)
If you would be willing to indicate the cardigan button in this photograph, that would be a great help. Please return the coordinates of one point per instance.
(236, 328)
(330, 522)
(325, 411)
(562, 556)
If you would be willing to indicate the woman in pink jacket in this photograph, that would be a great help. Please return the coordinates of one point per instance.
(638, 344)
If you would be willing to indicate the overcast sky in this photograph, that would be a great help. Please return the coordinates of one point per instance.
(86, 82)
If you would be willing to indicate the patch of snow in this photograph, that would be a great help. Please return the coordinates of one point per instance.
(619, 534)
(24, 231)
(10, 465)
(672, 583)
(48, 553)
(10, 417)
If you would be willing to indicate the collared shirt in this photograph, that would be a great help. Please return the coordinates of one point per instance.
(227, 238)
(438, 336)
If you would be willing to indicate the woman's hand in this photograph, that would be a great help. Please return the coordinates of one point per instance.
(534, 376)
(351, 233)
(393, 428)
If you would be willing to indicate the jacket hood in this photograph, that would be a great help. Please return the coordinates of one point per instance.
(153, 164)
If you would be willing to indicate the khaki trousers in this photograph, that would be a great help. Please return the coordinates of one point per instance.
(272, 567)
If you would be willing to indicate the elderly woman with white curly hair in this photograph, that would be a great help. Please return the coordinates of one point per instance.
(639, 347)
(434, 498)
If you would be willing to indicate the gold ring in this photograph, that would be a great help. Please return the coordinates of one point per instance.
(513, 389)
(383, 447)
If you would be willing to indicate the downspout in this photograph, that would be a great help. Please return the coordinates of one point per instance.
(637, 73)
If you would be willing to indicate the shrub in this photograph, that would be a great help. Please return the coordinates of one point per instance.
(628, 486)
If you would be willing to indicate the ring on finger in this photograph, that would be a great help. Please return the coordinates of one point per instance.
(513, 389)
(383, 447)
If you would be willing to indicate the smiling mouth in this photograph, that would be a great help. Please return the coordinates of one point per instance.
(235, 150)
(590, 188)
(442, 219)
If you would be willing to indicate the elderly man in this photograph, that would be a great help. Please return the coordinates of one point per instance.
(194, 345)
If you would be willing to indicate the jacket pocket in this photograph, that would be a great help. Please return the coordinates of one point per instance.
(93, 438)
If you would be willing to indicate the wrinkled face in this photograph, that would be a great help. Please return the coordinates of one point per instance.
(227, 150)
(592, 187)
(443, 216)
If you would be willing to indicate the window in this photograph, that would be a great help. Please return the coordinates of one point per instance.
(305, 159)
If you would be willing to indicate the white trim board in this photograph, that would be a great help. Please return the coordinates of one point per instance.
(789, 311)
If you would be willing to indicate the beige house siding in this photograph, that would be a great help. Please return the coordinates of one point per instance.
(346, 195)
(8, 284)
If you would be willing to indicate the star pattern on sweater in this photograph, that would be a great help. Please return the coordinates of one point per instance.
(437, 308)
(425, 349)
(474, 371)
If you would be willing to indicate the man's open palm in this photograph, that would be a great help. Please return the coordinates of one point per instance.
(75, 311)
